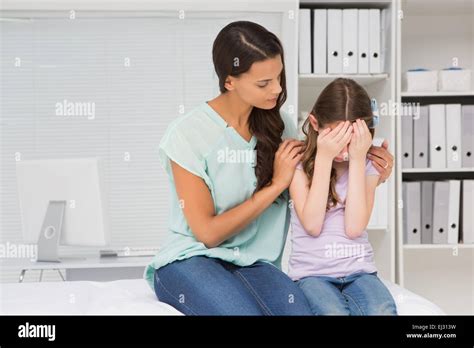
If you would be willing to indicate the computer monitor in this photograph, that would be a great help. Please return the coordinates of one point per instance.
(62, 202)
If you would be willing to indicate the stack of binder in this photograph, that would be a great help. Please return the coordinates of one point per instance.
(438, 212)
(341, 41)
(438, 136)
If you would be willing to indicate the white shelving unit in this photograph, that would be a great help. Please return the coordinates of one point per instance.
(437, 94)
(313, 80)
(430, 170)
(431, 34)
(420, 28)
(383, 88)
(439, 246)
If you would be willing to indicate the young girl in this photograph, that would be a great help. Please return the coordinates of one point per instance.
(333, 194)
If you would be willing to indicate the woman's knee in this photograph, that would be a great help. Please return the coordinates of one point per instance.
(168, 296)
(206, 290)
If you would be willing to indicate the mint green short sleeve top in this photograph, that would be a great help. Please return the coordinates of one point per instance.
(202, 143)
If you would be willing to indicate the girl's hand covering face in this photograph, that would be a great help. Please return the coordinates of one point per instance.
(360, 142)
(331, 142)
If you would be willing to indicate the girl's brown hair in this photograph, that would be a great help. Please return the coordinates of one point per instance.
(341, 100)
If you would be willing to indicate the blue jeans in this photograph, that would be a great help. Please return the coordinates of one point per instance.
(356, 294)
(208, 286)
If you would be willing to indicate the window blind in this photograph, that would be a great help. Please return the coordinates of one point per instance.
(136, 74)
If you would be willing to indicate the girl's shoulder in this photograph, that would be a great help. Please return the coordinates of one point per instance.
(370, 168)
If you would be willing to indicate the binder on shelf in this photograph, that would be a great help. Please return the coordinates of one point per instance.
(405, 212)
(411, 212)
(304, 45)
(349, 41)
(440, 212)
(453, 136)
(437, 124)
(467, 208)
(467, 142)
(407, 141)
(320, 41)
(421, 138)
(374, 41)
(363, 38)
(427, 188)
(453, 211)
(334, 41)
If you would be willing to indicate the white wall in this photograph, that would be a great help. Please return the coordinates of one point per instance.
(140, 69)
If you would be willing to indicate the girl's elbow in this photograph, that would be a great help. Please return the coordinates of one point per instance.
(313, 231)
(354, 228)
(354, 232)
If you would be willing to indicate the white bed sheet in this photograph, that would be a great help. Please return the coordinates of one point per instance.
(128, 297)
(132, 297)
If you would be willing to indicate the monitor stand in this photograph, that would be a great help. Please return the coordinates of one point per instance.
(50, 234)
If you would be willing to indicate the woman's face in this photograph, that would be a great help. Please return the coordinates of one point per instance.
(260, 85)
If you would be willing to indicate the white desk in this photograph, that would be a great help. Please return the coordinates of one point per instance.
(90, 268)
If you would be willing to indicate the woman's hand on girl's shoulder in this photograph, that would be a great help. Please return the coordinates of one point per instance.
(288, 155)
(382, 160)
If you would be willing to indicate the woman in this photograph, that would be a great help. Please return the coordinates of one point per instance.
(230, 171)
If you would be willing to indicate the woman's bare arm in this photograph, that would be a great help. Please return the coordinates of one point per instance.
(198, 206)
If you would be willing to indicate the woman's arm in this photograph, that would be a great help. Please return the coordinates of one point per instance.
(310, 204)
(198, 206)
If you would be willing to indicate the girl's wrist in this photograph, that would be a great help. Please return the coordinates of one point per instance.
(322, 158)
(359, 160)
(322, 163)
(358, 156)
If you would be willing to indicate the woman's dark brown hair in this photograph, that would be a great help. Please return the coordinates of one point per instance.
(341, 100)
(237, 46)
